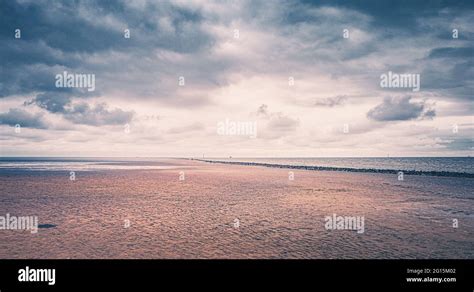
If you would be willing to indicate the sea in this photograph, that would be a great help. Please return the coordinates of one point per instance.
(445, 166)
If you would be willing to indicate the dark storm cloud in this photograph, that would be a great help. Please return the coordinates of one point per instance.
(448, 66)
(400, 109)
(57, 101)
(60, 25)
(54, 32)
(53, 102)
(402, 15)
(64, 35)
(98, 115)
(453, 77)
(25, 79)
(55, 23)
(23, 118)
(452, 52)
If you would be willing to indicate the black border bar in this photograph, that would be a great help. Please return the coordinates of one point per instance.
(244, 274)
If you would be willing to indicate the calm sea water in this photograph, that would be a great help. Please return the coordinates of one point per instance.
(422, 164)
(80, 164)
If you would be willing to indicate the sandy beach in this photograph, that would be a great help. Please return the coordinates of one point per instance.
(202, 210)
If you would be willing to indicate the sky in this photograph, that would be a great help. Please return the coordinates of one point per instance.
(306, 75)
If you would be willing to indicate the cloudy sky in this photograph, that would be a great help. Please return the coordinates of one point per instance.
(307, 73)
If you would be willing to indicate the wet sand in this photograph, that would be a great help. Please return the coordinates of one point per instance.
(195, 217)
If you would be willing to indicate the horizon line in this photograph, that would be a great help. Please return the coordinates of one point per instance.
(236, 157)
